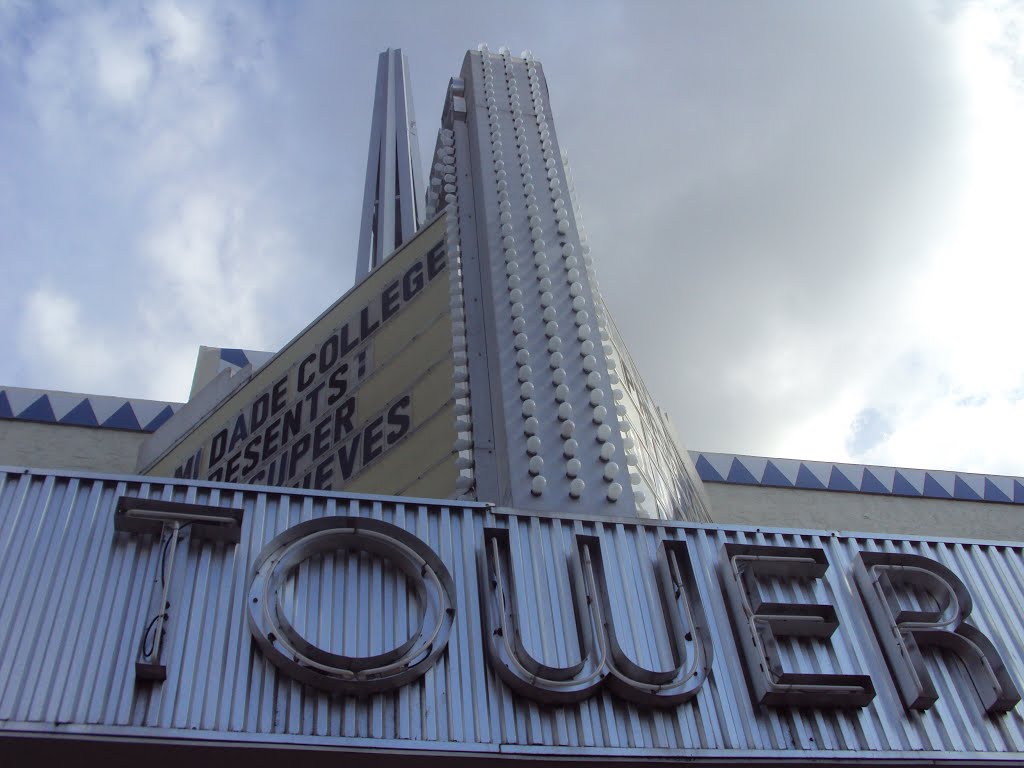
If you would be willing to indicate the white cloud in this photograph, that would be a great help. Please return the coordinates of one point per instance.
(216, 263)
(960, 405)
(82, 355)
(122, 70)
(801, 214)
(183, 31)
(149, 105)
(54, 331)
(954, 433)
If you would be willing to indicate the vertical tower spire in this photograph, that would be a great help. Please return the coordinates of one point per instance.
(393, 195)
(553, 415)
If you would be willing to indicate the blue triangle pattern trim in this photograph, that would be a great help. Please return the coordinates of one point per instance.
(871, 484)
(82, 415)
(706, 471)
(5, 406)
(961, 490)
(159, 419)
(992, 492)
(773, 476)
(837, 481)
(40, 410)
(123, 418)
(933, 488)
(740, 474)
(807, 479)
(903, 487)
(235, 357)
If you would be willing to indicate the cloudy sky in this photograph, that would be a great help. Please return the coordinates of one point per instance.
(806, 216)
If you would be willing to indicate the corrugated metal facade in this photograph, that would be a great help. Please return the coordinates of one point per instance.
(75, 597)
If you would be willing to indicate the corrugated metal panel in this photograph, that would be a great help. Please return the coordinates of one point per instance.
(75, 597)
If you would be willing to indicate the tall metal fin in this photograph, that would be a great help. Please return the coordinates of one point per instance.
(556, 416)
(393, 196)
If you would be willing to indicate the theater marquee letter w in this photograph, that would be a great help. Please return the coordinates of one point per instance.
(603, 631)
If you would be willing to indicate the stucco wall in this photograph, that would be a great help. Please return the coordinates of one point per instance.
(29, 444)
(830, 510)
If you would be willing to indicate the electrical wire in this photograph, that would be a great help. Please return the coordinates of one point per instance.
(163, 552)
(147, 646)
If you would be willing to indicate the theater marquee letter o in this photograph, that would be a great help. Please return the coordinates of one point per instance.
(301, 659)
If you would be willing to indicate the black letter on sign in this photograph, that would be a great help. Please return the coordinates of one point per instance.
(436, 261)
(304, 380)
(399, 419)
(218, 447)
(901, 630)
(412, 281)
(759, 623)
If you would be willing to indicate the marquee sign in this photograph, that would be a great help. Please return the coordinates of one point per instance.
(337, 401)
(885, 582)
(306, 429)
(300, 618)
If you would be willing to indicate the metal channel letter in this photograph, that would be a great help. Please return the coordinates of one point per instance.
(881, 577)
(502, 619)
(305, 661)
(168, 520)
(602, 658)
(759, 623)
(688, 634)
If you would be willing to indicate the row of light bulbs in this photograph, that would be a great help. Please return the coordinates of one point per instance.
(445, 172)
(570, 263)
(629, 443)
(443, 188)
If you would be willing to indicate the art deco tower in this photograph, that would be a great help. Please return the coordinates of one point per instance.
(473, 357)
(393, 195)
(552, 414)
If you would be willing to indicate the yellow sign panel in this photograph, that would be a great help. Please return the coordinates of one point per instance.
(360, 400)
